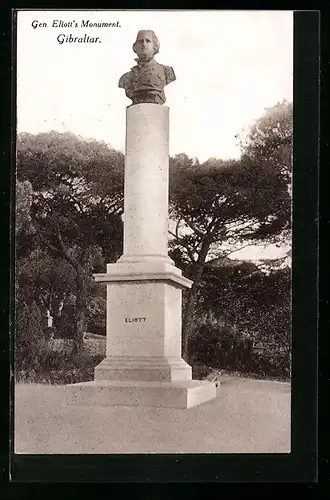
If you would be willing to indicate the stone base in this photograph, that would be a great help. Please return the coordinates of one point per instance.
(142, 369)
(181, 394)
(148, 268)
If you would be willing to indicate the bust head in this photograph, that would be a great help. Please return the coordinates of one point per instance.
(146, 45)
(145, 82)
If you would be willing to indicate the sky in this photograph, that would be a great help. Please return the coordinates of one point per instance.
(230, 66)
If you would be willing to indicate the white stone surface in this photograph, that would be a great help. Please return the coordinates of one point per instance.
(146, 182)
(143, 328)
(143, 368)
(182, 394)
(143, 319)
(143, 271)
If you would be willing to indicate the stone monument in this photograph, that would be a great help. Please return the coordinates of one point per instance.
(146, 81)
(143, 364)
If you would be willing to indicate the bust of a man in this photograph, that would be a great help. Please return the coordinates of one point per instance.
(146, 81)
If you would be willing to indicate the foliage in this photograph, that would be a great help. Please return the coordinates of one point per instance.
(218, 206)
(77, 204)
(29, 338)
(200, 371)
(269, 139)
(69, 224)
(45, 279)
(53, 367)
(78, 191)
(97, 314)
(235, 288)
(35, 358)
(220, 345)
(66, 321)
(243, 320)
(23, 204)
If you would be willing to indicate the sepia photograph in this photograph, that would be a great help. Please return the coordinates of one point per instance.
(153, 232)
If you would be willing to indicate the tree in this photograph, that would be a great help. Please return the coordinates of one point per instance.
(46, 280)
(77, 203)
(269, 139)
(218, 207)
(28, 335)
(23, 204)
(243, 318)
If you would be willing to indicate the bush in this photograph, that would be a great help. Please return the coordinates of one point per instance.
(200, 371)
(218, 345)
(29, 337)
(37, 360)
(96, 320)
(59, 367)
(66, 328)
(49, 332)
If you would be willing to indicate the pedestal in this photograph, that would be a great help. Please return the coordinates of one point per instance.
(143, 364)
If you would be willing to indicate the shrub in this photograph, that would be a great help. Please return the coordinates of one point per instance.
(29, 338)
(59, 367)
(66, 328)
(200, 371)
(36, 357)
(219, 345)
(96, 320)
(49, 332)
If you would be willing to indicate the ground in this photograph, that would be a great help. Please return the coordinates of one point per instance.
(248, 416)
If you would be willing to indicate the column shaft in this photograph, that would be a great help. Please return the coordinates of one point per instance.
(146, 182)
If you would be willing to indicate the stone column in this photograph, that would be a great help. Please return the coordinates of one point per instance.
(143, 364)
(146, 184)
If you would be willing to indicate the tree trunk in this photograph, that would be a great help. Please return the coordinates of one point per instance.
(187, 320)
(81, 303)
(55, 310)
(81, 289)
(188, 313)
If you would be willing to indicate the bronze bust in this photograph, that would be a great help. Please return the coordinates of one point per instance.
(146, 81)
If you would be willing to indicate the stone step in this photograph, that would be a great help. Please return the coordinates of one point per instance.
(182, 394)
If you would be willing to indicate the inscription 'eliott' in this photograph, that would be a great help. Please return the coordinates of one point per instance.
(135, 320)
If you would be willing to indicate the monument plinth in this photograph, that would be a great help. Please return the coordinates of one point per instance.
(143, 363)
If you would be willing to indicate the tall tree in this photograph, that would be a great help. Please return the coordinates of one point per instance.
(23, 204)
(77, 203)
(269, 139)
(218, 207)
(46, 280)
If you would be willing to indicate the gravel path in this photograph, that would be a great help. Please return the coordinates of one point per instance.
(248, 416)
